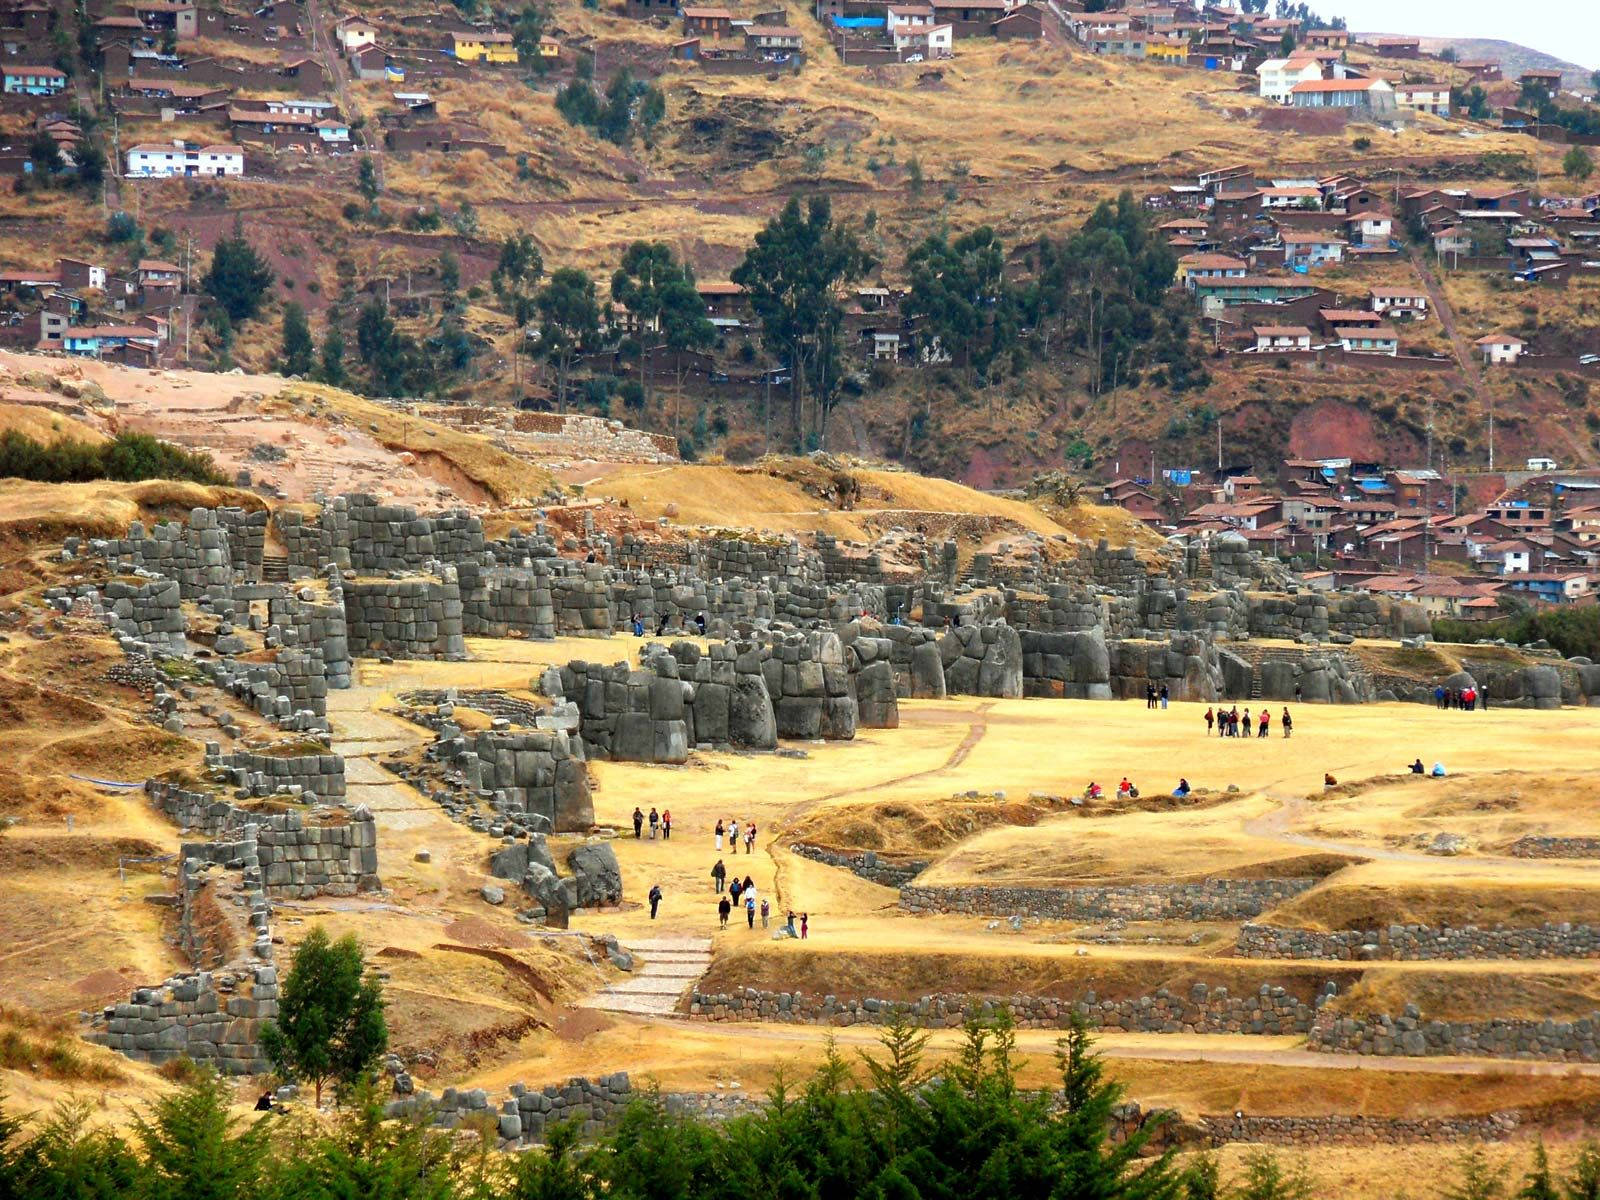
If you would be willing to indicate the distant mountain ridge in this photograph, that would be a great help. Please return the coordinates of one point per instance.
(1513, 57)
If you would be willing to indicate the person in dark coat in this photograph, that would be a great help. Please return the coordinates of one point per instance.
(723, 909)
(655, 899)
(719, 874)
(638, 822)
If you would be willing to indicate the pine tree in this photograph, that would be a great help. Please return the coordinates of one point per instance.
(1538, 1184)
(1478, 1179)
(194, 1149)
(330, 1025)
(331, 367)
(69, 1155)
(299, 353)
(239, 277)
(1584, 1183)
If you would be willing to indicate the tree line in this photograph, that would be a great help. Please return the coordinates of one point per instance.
(127, 458)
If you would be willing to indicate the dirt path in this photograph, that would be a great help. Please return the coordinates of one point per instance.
(1447, 319)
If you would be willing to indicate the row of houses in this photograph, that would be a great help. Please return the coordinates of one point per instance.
(83, 308)
(1390, 525)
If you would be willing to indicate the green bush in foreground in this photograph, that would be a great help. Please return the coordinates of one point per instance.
(129, 458)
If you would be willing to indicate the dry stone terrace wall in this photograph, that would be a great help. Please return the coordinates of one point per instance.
(300, 621)
(502, 601)
(1357, 1130)
(1186, 665)
(1534, 846)
(196, 554)
(1420, 943)
(865, 864)
(319, 775)
(1411, 1036)
(1208, 900)
(1271, 1011)
(148, 612)
(982, 660)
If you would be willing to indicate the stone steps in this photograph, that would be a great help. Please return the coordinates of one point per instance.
(665, 969)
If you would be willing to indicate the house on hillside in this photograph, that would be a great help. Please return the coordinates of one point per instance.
(1368, 96)
(487, 46)
(354, 33)
(1500, 348)
(165, 161)
(1399, 302)
(1481, 70)
(1310, 249)
(1368, 339)
(1282, 337)
(1194, 267)
(1398, 47)
(708, 22)
(34, 81)
(1553, 587)
(1126, 43)
(774, 39)
(1431, 98)
(154, 271)
(1277, 77)
(1369, 228)
(1540, 81)
(1326, 39)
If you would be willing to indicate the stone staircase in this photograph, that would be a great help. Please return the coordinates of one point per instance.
(274, 568)
(664, 969)
(1256, 654)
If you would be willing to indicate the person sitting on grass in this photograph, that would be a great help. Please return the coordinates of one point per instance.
(1182, 789)
(1093, 791)
(1417, 768)
(1438, 771)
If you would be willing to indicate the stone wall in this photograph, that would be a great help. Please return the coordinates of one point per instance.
(1074, 665)
(808, 681)
(1185, 664)
(405, 618)
(1208, 900)
(866, 864)
(300, 621)
(149, 612)
(311, 775)
(522, 1117)
(196, 553)
(1357, 1130)
(506, 601)
(727, 703)
(1534, 846)
(212, 1017)
(535, 776)
(247, 540)
(982, 660)
(1410, 1035)
(1420, 943)
(1271, 1011)
(1292, 617)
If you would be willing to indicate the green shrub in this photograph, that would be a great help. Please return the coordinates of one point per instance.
(131, 457)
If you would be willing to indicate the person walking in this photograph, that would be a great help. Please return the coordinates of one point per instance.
(719, 875)
(750, 911)
(1164, 695)
(1266, 721)
(1297, 693)
(733, 835)
(750, 838)
(655, 823)
(789, 924)
(1247, 722)
(749, 885)
(723, 909)
(1210, 717)
(805, 925)
(1287, 722)
(655, 899)
(1438, 695)
(734, 889)
(638, 821)
(721, 829)
(666, 824)
(766, 912)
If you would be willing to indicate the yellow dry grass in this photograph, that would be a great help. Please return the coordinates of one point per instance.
(45, 426)
(48, 511)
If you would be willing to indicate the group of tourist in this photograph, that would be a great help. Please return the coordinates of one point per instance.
(731, 832)
(1466, 699)
(1229, 722)
(660, 823)
(1155, 697)
(637, 622)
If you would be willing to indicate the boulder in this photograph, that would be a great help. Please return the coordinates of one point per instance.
(596, 875)
(876, 705)
(751, 720)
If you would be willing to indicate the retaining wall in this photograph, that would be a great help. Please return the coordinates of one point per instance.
(1209, 900)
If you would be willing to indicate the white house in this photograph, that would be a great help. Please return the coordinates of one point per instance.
(1369, 228)
(931, 41)
(355, 33)
(1291, 197)
(885, 346)
(1399, 301)
(1431, 98)
(1278, 76)
(1373, 95)
(1282, 337)
(163, 161)
(1368, 339)
(1303, 248)
(912, 16)
(1500, 348)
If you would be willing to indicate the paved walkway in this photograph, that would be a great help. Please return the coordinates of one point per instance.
(664, 969)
